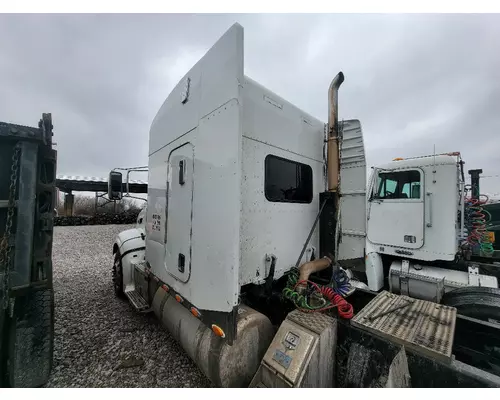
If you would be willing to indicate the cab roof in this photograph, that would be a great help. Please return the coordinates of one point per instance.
(422, 161)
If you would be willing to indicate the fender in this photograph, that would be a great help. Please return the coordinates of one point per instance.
(373, 267)
(131, 245)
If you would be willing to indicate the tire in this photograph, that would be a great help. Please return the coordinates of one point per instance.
(476, 302)
(31, 340)
(118, 275)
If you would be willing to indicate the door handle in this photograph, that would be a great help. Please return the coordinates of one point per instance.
(429, 203)
(182, 172)
(181, 263)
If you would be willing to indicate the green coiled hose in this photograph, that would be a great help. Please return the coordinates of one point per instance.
(296, 298)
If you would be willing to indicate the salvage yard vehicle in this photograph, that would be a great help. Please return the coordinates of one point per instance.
(27, 199)
(266, 254)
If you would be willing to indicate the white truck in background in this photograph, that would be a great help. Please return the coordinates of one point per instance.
(229, 256)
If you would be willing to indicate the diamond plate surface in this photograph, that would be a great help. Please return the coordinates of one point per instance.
(420, 325)
(315, 322)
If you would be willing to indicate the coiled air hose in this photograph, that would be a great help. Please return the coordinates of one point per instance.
(340, 281)
(345, 309)
(331, 296)
(477, 220)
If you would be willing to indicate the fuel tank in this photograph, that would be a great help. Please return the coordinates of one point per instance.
(424, 281)
(226, 366)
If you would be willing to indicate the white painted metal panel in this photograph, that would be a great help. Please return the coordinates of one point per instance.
(274, 228)
(186, 114)
(210, 120)
(210, 83)
(418, 162)
(179, 212)
(353, 192)
(392, 221)
(157, 199)
(441, 213)
(272, 120)
(216, 210)
(439, 223)
(272, 125)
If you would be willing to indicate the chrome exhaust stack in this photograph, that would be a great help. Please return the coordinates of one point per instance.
(333, 151)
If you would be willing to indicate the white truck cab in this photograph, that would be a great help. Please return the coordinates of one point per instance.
(414, 222)
(420, 200)
(238, 180)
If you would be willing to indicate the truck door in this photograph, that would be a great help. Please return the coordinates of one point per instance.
(396, 208)
(179, 212)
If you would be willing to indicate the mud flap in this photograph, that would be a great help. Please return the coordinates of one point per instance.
(31, 340)
(360, 367)
(399, 374)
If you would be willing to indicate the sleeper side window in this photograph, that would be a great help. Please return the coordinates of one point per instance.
(287, 181)
(398, 185)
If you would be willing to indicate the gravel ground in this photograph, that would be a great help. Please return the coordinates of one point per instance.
(100, 341)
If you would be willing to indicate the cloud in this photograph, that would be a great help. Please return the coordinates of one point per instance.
(414, 81)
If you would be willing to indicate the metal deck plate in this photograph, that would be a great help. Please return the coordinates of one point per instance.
(422, 326)
(316, 322)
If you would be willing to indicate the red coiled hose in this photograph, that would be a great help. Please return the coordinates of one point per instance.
(345, 309)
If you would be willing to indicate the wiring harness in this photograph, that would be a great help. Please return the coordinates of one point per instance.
(308, 296)
(477, 221)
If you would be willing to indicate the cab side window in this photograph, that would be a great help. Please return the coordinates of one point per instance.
(398, 185)
(287, 181)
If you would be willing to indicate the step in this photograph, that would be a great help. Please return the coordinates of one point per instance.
(137, 301)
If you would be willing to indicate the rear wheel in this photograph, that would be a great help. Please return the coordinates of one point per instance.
(118, 275)
(477, 342)
(477, 302)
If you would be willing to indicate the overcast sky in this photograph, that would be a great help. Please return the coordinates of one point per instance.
(414, 81)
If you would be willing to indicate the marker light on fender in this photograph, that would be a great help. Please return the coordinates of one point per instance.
(179, 298)
(218, 331)
(195, 312)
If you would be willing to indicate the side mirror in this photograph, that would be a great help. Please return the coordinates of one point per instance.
(115, 186)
